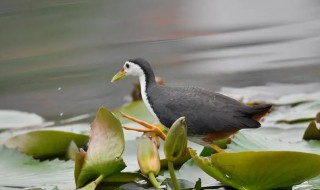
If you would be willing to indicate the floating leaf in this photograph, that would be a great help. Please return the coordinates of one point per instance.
(190, 171)
(16, 119)
(273, 138)
(178, 162)
(126, 186)
(294, 99)
(93, 184)
(207, 151)
(183, 184)
(45, 143)
(260, 170)
(124, 177)
(17, 169)
(79, 128)
(301, 113)
(277, 93)
(105, 148)
(314, 183)
(135, 109)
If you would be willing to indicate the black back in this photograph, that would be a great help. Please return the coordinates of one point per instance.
(205, 111)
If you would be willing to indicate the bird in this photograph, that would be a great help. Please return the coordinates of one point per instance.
(209, 116)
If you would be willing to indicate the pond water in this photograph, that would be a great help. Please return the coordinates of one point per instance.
(57, 57)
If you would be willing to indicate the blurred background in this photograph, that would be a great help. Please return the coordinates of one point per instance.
(57, 57)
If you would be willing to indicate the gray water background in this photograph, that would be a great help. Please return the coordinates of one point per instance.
(57, 57)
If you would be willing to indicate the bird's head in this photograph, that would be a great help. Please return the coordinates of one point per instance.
(133, 67)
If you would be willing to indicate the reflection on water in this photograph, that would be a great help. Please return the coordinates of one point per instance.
(57, 57)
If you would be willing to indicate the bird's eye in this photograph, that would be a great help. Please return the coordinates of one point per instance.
(127, 66)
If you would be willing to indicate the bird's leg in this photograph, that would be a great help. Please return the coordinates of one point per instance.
(150, 127)
(143, 123)
(138, 130)
(217, 148)
(157, 141)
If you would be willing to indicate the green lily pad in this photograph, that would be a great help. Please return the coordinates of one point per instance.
(125, 177)
(135, 109)
(273, 138)
(79, 128)
(301, 113)
(16, 119)
(178, 162)
(312, 132)
(17, 169)
(46, 143)
(276, 138)
(294, 99)
(314, 183)
(277, 93)
(106, 146)
(260, 170)
(190, 171)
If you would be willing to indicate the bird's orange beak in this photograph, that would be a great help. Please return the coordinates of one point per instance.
(120, 75)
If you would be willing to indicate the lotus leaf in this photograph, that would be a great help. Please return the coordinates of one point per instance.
(46, 143)
(106, 146)
(260, 170)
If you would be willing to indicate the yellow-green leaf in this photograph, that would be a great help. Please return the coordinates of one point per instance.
(260, 170)
(105, 148)
(46, 143)
(135, 109)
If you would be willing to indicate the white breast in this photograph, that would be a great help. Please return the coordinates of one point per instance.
(143, 85)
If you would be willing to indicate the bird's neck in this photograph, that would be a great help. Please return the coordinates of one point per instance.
(147, 82)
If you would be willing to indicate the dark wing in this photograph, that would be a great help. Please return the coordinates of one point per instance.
(205, 111)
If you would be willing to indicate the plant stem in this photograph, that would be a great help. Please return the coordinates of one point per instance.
(173, 176)
(153, 180)
(98, 180)
(93, 184)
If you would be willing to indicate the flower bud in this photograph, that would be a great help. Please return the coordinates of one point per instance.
(148, 156)
(175, 144)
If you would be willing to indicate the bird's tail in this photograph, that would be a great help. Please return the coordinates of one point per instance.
(258, 111)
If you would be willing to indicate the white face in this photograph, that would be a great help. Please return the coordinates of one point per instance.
(132, 69)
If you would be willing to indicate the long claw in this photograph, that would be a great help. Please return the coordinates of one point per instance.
(150, 127)
(143, 123)
(138, 130)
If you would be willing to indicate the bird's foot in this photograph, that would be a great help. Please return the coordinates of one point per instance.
(217, 149)
(149, 127)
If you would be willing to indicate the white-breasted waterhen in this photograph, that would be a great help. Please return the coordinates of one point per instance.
(209, 116)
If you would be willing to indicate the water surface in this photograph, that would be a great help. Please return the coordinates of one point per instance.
(57, 57)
